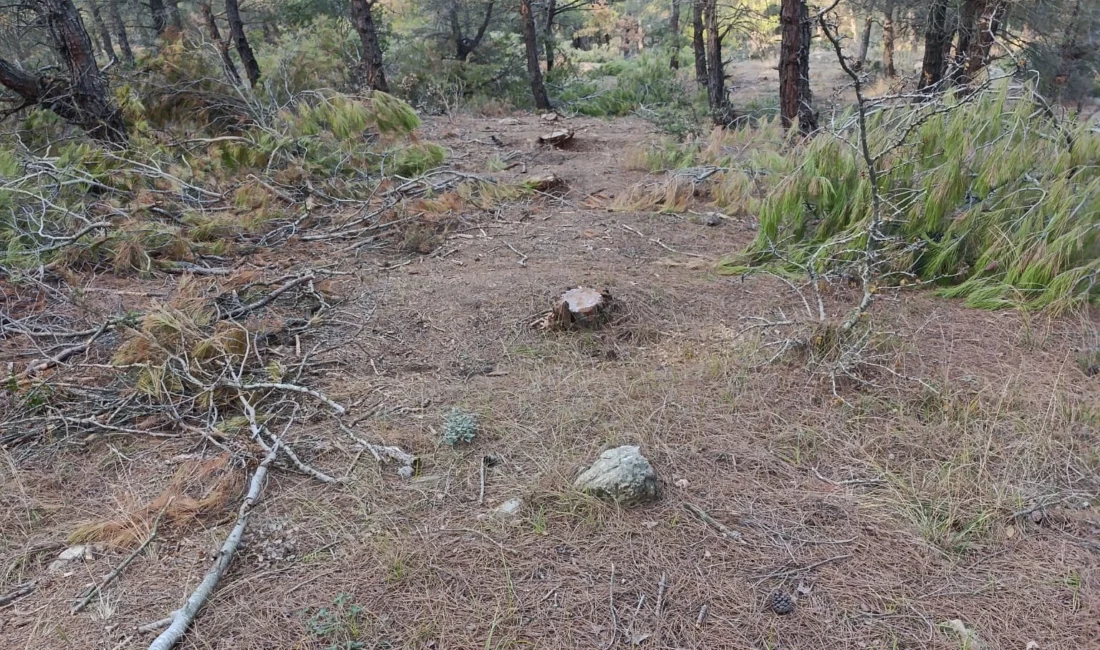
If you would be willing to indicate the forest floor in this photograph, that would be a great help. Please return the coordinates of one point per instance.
(889, 509)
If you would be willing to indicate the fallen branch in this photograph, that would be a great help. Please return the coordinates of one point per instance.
(717, 525)
(68, 352)
(18, 592)
(183, 618)
(97, 589)
(293, 388)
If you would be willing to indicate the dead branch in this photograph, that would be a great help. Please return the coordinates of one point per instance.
(183, 618)
(717, 525)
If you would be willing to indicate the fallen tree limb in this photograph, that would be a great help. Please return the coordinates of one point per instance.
(714, 523)
(183, 618)
(97, 589)
(18, 592)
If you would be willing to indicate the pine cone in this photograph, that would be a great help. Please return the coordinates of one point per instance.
(780, 603)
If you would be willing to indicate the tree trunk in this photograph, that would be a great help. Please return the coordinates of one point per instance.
(935, 34)
(244, 50)
(888, 68)
(175, 20)
(548, 33)
(674, 29)
(120, 31)
(534, 72)
(697, 43)
(795, 98)
(372, 49)
(83, 99)
(967, 25)
(721, 112)
(464, 46)
(989, 15)
(222, 44)
(865, 42)
(160, 16)
(104, 33)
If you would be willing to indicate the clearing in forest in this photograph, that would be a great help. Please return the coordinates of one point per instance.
(947, 499)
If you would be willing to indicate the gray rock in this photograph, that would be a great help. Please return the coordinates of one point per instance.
(623, 475)
(508, 509)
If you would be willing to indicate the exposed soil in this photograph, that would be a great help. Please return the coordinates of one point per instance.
(887, 509)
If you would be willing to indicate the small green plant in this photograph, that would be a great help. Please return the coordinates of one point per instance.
(340, 627)
(459, 426)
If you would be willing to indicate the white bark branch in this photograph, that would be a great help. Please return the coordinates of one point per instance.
(183, 618)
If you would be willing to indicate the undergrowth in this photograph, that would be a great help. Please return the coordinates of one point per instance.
(985, 197)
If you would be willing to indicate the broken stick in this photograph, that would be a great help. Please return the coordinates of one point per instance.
(182, 619)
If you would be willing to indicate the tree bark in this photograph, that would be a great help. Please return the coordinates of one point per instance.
(865, 42)
(697, 42)
(989, 14)
(795, 97)
(721, 112)
(674, 29)
(221, 44)
(81, 100)
(888, 68)
(548, 33)
(534, 72)
(172, 13)
(244, 50)
(160, 16)
(104, 33)
(120, 31)
(464, 46)
(935, 35)
(372, 49)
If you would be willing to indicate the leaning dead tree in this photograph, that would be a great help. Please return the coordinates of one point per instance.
(795, 97)
(81, 99)
(244, 50)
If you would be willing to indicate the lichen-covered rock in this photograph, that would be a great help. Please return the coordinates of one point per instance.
(623, 475)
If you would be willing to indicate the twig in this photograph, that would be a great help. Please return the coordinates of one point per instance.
(661, 586)
(257, 434)
(68, 352)
(183, 618)
(18, 592)
(717, 525)
(481, 492)
(157, 625)
(293, 388)
(848, 482)
(611, 606)
(702, 615)
(523, 257)
(98, 589)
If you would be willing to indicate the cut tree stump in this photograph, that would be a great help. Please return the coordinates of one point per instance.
(542, 183)
(579, 308)
(557, 138)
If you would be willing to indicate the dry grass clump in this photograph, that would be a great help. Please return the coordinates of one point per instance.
(199, 490)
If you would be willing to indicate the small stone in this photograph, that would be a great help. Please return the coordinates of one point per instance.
(712, 219)
(649, 524)
(681, 482)
(623, 475)
(1031, 645)
(508, 121)
(1036, 516)
(508, 509)
(405, 472)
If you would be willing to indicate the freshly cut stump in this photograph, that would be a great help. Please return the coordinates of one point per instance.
(557, 138)
(580, 308)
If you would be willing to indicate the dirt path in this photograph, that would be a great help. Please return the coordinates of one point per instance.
(886, 517)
